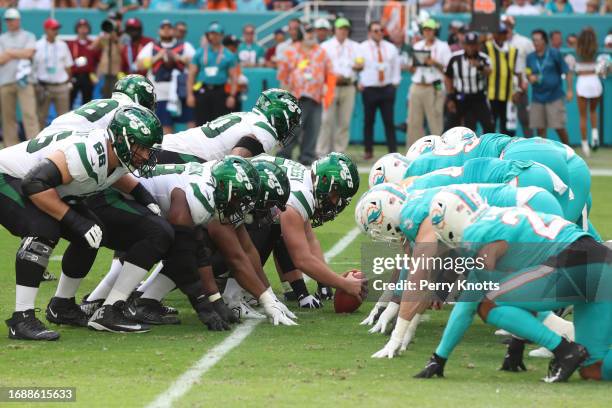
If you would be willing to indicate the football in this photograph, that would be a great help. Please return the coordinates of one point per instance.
(345, 303)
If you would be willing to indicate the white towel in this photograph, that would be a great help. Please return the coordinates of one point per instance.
(24, 69)
(174, 103)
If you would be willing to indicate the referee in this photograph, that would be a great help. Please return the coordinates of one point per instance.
(466, 83)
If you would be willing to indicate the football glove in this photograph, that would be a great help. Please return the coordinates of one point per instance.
(409, 335)
(274, 310)
(154, 208)
(386, 318)
(435, 366)
(394, 345)
(375, 313)
(281, 305)
(513, 360)
(212, 320)
(309, 302)
(224, 312)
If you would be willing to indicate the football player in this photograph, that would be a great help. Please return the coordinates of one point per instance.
(43, 179)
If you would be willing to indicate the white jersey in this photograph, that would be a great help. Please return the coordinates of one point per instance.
(86, 155)
(300, 181)
(96, 114)
(194, 179)
(214, 140)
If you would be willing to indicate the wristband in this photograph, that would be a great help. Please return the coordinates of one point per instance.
(266, 298)
(142, 195)
(213, 298)
(401, 327)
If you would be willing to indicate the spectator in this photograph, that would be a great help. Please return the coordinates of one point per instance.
(221, 5)
(107, 43)
(323, 29)
(34, 4)
(282, 5)
(52, 68)
(457, 6)
(571, 41)
(164, 60)
(466, 79)
(344, 54)
(65, 3)
(457, 39)
(180, 31)
(588, 87)
(120, 6)
(251, 6)
(270, 56)
(250, 54)
(606, 7)
(545, 68)
(393, 18)
(231, 42)
(210, 69)
(559, 7)
(295, 31)
(430, 6)
(426, 95)
(592, 7)
(608, 42)
(130, 51)
(503, 59)
(522, 8)
(168, 5)
(524, 46)
(556, 39)
(17, 48)
(304, 71)
(580, 6)
(85, 63)
(378, 82)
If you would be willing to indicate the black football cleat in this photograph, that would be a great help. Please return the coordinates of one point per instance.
(90, 306)
(25, 326)
(325, 293)
(48, 276)
(150, 311)
(169, 310)
(290, 296)
(565, 362)
(435, 366)
(65, 311)
(112, 318)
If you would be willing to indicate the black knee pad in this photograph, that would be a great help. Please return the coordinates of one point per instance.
(36, 250)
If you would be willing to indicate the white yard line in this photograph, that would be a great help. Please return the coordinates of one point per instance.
(190, 377)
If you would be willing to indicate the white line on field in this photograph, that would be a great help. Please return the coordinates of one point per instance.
(189, 378)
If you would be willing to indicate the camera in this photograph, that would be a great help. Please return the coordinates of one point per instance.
(108, 26)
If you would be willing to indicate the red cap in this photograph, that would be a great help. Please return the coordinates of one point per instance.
(51, 24)
(133, 22)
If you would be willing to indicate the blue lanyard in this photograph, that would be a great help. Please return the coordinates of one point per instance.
(54, 53)
(542, 64)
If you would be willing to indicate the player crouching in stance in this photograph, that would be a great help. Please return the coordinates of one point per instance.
(42, 181)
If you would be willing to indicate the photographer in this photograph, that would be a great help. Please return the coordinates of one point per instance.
(110, 52)
(466, 81)
(85, 63)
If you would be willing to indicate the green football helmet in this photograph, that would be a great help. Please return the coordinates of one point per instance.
(237, 188)
(335, 177)
(274, 191)
(139, 89)
(134, 129)
(281, 109)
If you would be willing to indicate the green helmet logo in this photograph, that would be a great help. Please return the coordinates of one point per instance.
(274, 185)
(281, 109)
(336, 181)
(237, 188)
(138, 88)
(134, 132)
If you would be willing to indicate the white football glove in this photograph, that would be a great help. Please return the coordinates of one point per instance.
(309, 302)
(93, 236)
(154, 208)
(281, 305)
(386, 318)
(378, 307)
(409, 335)
(274, 310)
(393, 346)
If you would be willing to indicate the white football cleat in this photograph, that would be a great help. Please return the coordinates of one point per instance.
(541, 352)
(244, 311)
(502, 332)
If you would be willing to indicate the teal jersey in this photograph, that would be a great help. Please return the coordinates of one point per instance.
(533, 236)
(487, 145)
(480, 170)
(416, 207)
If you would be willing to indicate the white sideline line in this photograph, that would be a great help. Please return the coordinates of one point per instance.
(190, 377)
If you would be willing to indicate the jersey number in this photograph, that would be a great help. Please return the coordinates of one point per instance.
(548, 231)
(216, 127)
(35, 145)
(95, 110)
(101, 156)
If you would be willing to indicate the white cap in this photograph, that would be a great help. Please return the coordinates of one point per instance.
(12, 14)
(322, 23)
(608, 40)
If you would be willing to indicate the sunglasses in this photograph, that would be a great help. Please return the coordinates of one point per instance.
(376, 30)
(249, 32)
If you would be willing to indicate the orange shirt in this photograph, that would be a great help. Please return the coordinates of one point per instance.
(305, 73)
(394, 17)
(221, 5)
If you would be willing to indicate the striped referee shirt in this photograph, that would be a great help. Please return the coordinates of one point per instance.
(467, 79)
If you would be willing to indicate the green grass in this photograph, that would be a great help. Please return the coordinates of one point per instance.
(324, 361)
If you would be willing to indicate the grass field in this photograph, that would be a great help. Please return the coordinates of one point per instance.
(324, 361)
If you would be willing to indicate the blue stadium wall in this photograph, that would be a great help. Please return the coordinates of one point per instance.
(261, 77)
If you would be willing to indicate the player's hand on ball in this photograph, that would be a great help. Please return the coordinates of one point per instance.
(435, 366)
(386, 318)
(375, 313)
(513, 360)
(355, 285)
(309, 302)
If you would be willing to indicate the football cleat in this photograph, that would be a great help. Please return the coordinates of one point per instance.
(290, 296)
(112, 318)
(25, 326)
(243, 311)
(561, 368)
(169, 310)
(65, 311)
(502, 332)
(541, 352)
(250, 299)
(150, 311)
(48, 276)
(90, 306)
(435, 366)
(309, 302)
(325, 293)
(513, 360)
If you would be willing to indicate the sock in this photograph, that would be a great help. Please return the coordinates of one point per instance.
(144, 286)
(595, 136)
(126, 282)
(106, 284)
(299, 288)
(67, 286)
(560, 326)
(25, 296)
(158, 288)
(459, 320)
(523, 324)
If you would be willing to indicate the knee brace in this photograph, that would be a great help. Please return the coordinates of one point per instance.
(36, 250)
(484, 308)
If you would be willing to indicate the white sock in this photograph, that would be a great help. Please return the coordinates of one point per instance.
(25, 296)
(159, 287)
(126, 282)
(106, 284)
(559, 325)
(232, 291)
(595, 137)
(67, 286)
(145, 285)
